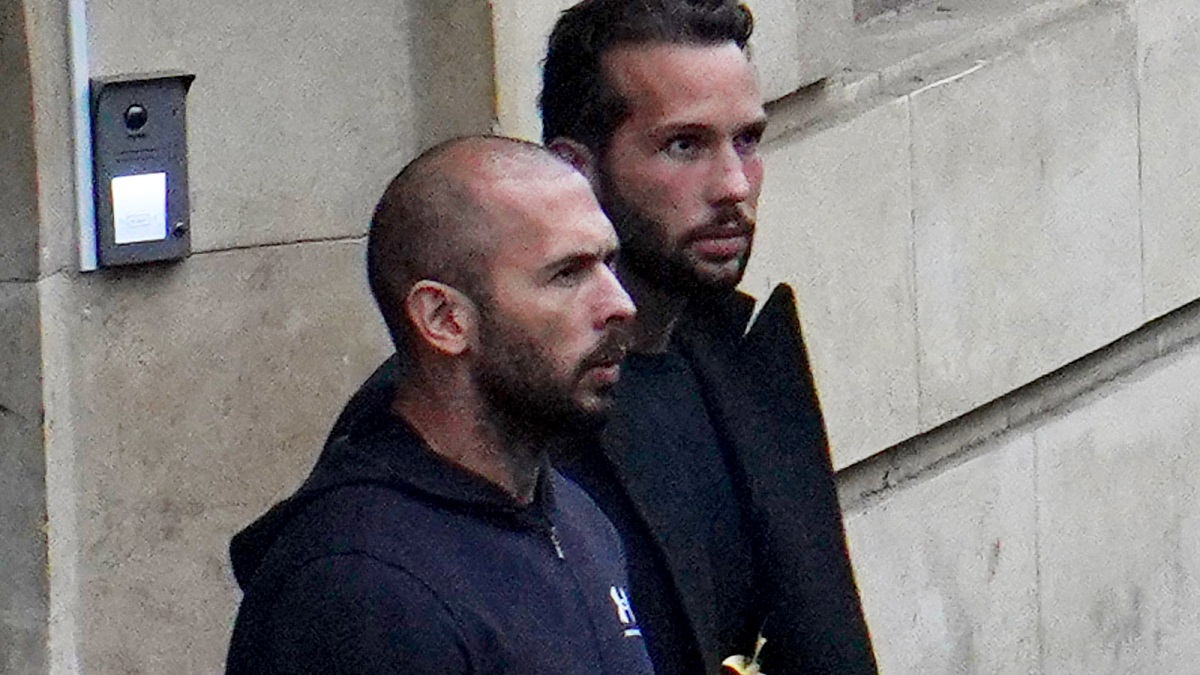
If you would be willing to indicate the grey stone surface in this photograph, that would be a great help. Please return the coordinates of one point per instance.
(947, 568)
(18, 196)
(913, 43)
(798, 43)
(194, 396)
(845, 244)
(300, 113)
(1119, 525)
(1169, 59)
(49, 65)
(520, 29)
(453, 64)
(23, 580)
(1026, 208)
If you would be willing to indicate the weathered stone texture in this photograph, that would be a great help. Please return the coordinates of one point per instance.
(18, 166)
(453, 69)
(1026, 206)
(520, 31)
(1169, 60)
(1120, 526)
(200, 394)
(23, 572)
(798, 43)
(845, 244)
(50, 78)
(947, 568)
(300, 113)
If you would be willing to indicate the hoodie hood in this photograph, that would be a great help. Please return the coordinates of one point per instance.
(385, 451)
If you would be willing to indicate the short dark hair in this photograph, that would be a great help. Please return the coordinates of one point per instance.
(432, 222)
(576, 100)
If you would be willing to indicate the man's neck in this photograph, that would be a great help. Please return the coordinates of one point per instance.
(454, 427)
(658, 311)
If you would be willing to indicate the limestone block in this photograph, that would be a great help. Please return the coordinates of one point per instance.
(23, 600)
(452, 56)
(797, 42)
(195, 396)
(1026, 210)
(18, 179)
(947, 572)
(46, 30)
(1169, 60)
(300, 113)
(1119, 526)
(835, 222)
(521, 29)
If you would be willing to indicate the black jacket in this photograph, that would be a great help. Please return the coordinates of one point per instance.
(392, 560)
(759, 392)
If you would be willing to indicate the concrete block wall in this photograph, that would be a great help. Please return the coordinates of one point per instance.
(968, 200)
(971, 223)
(992, 228)
(1067, 545)
(24, 602)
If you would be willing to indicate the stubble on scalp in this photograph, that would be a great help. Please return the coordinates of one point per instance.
(436, 220)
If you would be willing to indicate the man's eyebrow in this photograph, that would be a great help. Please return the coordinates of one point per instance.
(604, 253)
(758, 126)
(668, 129)
(684, 128)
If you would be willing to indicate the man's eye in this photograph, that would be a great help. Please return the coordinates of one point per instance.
(684, 147)
(747, 143)
(568, 275)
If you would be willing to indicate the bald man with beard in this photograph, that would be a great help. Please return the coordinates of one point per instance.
(436, 537)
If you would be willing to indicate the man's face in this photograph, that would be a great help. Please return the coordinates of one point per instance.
(681, 176)
(553, 329)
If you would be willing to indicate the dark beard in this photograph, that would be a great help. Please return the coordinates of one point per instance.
(522, 397)
(647, 254)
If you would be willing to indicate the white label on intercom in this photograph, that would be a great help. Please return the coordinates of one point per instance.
(140, 207)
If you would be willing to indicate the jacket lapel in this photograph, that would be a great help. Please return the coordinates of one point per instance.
(666, 514)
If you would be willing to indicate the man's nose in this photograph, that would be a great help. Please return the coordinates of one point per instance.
(731, 180)
(615, 303)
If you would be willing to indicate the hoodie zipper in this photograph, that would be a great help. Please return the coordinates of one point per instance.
(553, 532)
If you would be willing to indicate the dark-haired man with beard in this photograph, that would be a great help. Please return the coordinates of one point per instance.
(435, 537)
(714, 467)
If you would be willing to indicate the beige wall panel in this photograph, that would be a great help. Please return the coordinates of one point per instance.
(46, 26)
(522, 28)
(1026, 206)
(300, 113)
(947, 569)
(24, 601)
(190, 398)
(1169, 58)
(1120, 526)
(835, 222)
(455, 78)
(775, 45)
(797, 42)
(18, 168)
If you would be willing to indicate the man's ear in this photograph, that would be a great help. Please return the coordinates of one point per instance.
(577, 155)
(442, 316)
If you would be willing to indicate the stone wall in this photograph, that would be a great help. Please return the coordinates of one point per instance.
(24, 602)
(989, 211)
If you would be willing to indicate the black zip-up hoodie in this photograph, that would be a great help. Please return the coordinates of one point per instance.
(390, 559)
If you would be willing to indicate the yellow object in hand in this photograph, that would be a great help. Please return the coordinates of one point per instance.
(746, 665)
